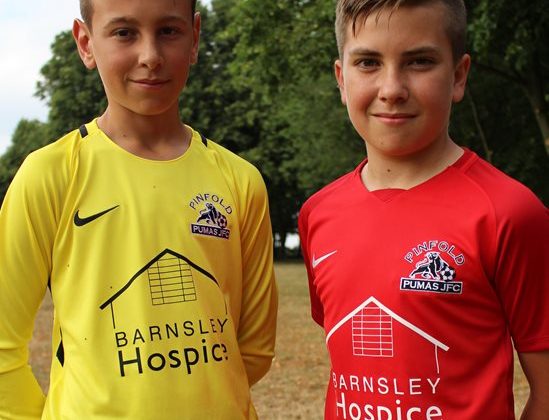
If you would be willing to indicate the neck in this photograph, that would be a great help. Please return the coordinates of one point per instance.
(405, 172)
(157, 137)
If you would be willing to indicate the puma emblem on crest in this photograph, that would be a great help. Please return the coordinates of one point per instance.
(435, 266)
(81, 221)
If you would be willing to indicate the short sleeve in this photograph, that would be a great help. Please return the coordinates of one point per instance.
(522, 271)
(317, 311)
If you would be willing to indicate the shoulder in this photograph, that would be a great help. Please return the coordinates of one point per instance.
(231, 160)
(41, 183)
(51, 163)
(333, 194)
(518, 216)
(237, 171)
(507, 197)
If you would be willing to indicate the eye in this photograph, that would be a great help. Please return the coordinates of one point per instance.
(170, 31)
(123, 33)
(368, 63)
(422, 62)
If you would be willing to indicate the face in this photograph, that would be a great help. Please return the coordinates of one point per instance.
(398, 79)
(143, 51)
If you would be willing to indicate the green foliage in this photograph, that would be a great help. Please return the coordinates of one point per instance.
(28, 136)
(211, 101)
(264, 88)
(284, 55)
(510, 128)
(509, 41)
(510, 32)
(74, 94)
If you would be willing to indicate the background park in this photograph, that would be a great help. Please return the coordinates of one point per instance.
(264, 88)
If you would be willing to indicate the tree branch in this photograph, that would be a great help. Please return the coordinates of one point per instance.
(508, 76)
(487, 151)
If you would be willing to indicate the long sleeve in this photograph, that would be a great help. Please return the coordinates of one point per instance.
(257, 327)
(27, 231)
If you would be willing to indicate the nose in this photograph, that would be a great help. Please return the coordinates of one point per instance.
(392, 86)
(150, 54)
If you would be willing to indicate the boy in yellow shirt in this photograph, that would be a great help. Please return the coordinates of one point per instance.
(154, 241)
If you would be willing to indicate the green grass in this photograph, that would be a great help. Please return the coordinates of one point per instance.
(295, 386)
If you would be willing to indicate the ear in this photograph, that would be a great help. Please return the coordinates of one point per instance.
(82, 36)
(196, 38)
(338, 70)
(460, 77)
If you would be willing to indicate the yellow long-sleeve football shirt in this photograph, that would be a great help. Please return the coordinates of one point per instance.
(161, 277)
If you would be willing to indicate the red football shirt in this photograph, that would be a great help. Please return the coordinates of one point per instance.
(421, 292)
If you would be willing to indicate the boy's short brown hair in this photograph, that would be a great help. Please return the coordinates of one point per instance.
(86, 10)
(354, 11)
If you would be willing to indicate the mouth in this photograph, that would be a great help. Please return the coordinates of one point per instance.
(150, 82)
(394, 118)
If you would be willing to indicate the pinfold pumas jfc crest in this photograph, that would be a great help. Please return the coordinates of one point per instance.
(211, 220)
(433, 273)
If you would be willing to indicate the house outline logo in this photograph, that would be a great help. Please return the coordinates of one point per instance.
(383, 334)
(188, 290)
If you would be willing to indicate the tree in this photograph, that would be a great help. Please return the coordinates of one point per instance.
(264, 88)
(284, 55)
(211, 102)
(73, 93)
(28, 136)
(509, 41)
(499, 118)
(492, 121)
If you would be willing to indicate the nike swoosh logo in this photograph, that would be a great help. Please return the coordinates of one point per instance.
(318, 260)
(81, 221)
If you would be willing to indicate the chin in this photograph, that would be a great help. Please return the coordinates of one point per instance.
(152, 110)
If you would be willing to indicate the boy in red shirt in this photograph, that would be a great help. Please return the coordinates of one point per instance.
(425, 264)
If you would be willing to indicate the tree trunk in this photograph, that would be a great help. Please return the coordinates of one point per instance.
(541, 117)
(282, 254)
(487, 151)
(535, 89)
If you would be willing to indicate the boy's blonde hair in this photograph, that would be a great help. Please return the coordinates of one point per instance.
(86, 10)
(356, 11)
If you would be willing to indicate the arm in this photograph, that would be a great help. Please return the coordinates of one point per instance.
(536, 369)
(522, 281)
(25, 255)
(317, 311)
(257, 328)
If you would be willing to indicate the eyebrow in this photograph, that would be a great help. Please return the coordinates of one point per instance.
(422, 50)
(121, 20)
(127, 20)
(366, 52)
